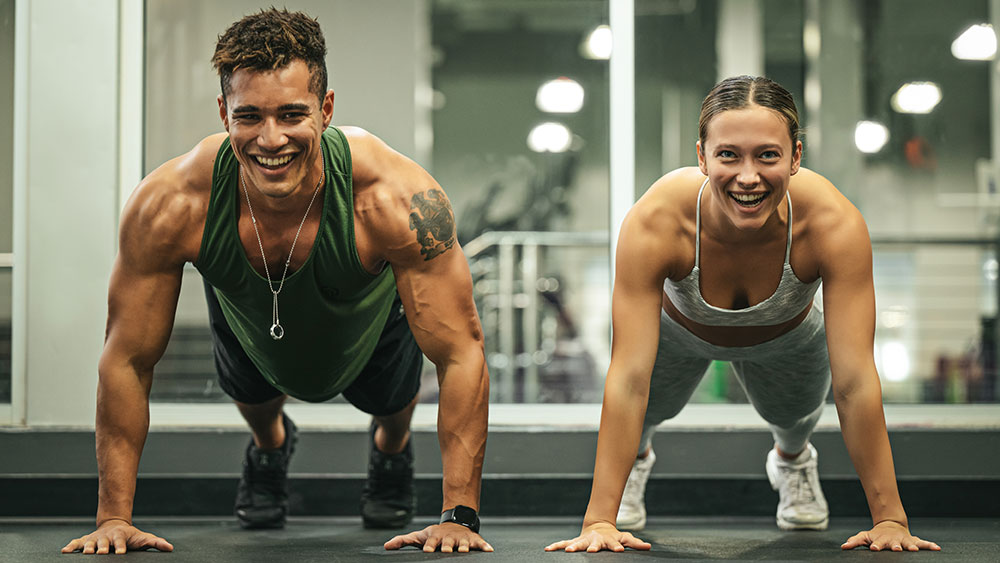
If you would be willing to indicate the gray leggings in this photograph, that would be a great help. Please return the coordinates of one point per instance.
(786, 379)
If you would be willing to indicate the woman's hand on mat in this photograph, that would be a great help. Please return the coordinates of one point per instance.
(600, 536)
(889, 535)
(447, 537)
(120, 535)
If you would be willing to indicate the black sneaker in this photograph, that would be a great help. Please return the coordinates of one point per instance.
(388, 500)
(262, 496)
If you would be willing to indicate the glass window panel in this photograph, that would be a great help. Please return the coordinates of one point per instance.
(533, 224)
(928, 195)
(544, 298)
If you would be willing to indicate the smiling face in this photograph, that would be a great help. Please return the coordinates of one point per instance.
(275, 122)
(749, 159)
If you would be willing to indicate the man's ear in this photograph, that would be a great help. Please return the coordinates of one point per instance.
(223, 113)
(327, 108)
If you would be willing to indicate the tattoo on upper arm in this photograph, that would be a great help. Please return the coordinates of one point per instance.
(431, 217)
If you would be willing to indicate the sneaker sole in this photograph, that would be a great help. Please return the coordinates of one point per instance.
(786, 525)
(636, 526)
(386, 524)
(273, 525)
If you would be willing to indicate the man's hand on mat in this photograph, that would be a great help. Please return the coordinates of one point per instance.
(889, 535)
(600, 536)
(118, 534)
(447, 537)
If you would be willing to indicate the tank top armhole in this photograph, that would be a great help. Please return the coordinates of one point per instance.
(218, 171)
(346, 163)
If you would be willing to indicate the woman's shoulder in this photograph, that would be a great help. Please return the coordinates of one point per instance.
(673, 195)
(820, 207)
(660, 226)
(816, 194)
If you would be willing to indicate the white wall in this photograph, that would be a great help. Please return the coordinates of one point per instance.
(66, 160)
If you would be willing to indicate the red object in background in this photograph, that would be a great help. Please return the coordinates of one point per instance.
(920, 154)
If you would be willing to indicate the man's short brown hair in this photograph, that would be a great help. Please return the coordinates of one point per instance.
(269, 40)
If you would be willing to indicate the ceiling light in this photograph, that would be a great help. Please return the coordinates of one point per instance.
(870, 136)
(597, 46)
(977, 43)
(916, 97)
(550, 137)
(562, 95)
(895, 361)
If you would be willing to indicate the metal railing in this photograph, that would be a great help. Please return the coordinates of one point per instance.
(498, 289)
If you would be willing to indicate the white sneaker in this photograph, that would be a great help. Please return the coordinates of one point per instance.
(801, 505)
(632, 511)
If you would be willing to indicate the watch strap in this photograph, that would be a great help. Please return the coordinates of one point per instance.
(463, 516)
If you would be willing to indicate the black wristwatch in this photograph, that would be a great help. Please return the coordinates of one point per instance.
(463, 516)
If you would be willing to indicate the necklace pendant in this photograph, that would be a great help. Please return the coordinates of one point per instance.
(277, 332)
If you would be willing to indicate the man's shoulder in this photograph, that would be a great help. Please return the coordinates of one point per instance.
(395, 199)
(187, 174)
(170, 204)
(382, 175)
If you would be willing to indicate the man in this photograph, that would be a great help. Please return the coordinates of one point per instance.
(328, 258)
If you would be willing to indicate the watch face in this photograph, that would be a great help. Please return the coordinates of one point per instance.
(464, 514)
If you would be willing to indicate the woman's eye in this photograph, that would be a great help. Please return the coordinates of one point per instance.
(727, 154)
(770, 155)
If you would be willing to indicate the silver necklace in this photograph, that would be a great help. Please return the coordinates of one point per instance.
(277, 332)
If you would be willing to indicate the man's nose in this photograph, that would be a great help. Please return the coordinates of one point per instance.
(271, 136)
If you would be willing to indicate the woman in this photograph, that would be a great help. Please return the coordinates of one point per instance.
(707, 270)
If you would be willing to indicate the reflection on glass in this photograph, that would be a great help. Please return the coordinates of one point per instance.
(521, 146)
(543, 296)
(895, 120)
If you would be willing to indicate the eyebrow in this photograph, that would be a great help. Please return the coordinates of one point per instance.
(757, 148)
(285, 107)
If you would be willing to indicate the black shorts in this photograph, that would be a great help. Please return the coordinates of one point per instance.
(387, 384)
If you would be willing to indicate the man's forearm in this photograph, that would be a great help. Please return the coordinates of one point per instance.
(463, 414)
(863, 426)
(121, 427)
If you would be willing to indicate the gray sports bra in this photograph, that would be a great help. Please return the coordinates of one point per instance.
(790, 299)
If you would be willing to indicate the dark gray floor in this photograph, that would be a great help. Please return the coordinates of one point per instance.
(340, 539)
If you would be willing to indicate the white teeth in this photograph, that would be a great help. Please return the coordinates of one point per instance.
(752, 199)
(274, 161)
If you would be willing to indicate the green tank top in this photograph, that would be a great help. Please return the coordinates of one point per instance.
(332, 310)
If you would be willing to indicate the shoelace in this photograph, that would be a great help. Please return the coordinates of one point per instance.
(797, 481)
(268, 474)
